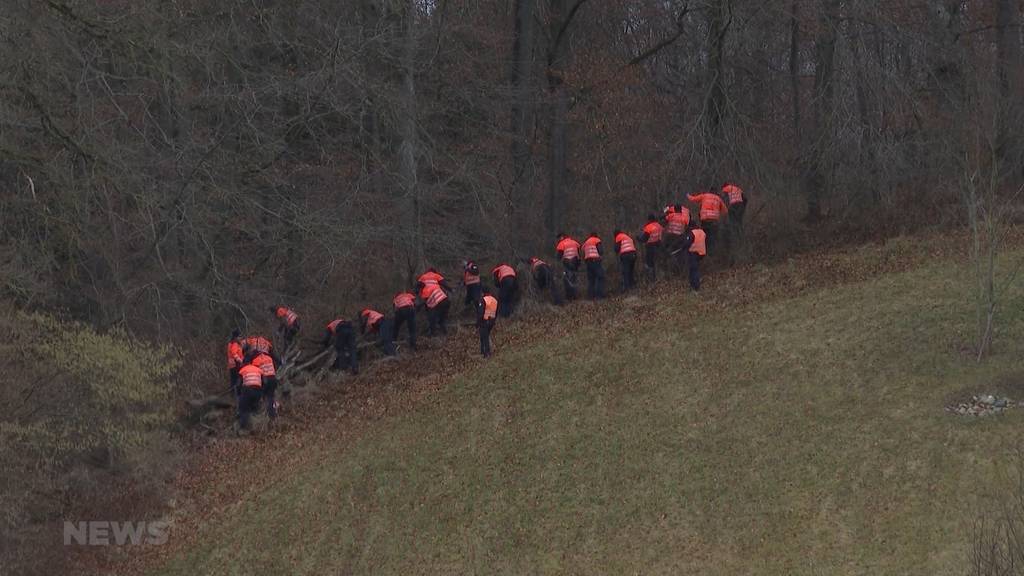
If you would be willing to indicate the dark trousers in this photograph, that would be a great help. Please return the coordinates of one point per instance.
(675, 256)
(234, 381)
(248, 402)
(346, 355)
(627, 263)
(485, 336)
(270, 394)
(711, 233)
(406, 316)
(473, 294)
(569, 280)
(650, 260)
(437, 317)
(595, 279)
(386, 336)
(506, 296)
(694, 261)
(288, 333)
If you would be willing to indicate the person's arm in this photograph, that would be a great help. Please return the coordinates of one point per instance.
(688, 240)
(479, 311)
(327, 338)
(644, 236)
(694, 198)
(600, 248)
(444, 284)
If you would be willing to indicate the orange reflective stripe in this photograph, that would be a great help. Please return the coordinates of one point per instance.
(503, 271)
(490, 307)
(569, 248)
(265, 364)
(735, 193)
(677, 222)
(590, 251)
(470, 279)
(625, 243)
(404, 300)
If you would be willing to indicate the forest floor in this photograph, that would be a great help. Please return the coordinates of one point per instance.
(788, 419)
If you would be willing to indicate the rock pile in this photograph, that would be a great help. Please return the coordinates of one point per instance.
(984, 405)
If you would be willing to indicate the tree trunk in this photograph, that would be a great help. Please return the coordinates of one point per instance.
(1008, 66)
(794, 67)
(409, 150)
(558, 96)
(716, 109)
(522, 116)
(814, 180)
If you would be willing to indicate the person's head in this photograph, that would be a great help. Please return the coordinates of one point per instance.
(651, 217)
(561, 235)
(594, 234)
(273, 309)
(679, 207)
(432, 269)
(486, 291)
(616, 232)
(236, 334)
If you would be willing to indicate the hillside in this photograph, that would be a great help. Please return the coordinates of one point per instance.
(789, 419)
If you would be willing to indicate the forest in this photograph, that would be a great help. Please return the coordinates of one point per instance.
(171, 168)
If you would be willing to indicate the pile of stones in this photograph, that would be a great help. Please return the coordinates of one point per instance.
(984, 405)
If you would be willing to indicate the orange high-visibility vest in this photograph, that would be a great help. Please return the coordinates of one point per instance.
(536, 263)
(699, 245)
(677, 222)
(429, 279)
(252, 376)
(234, 354)
(490, 307)
(259, 344)
(569, 248)
(265, 364)
(373, 317)
(653, 231)
(503, 271)
(626, 245)
(469, 279)
(735, 193)
(590, 251)
(289, 316)
(333, 324)
(403, 300)
(711, 206)
(435, 296)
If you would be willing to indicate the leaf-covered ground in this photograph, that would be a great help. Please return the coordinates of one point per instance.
(789, 419)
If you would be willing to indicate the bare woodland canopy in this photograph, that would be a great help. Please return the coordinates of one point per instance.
(174, 166)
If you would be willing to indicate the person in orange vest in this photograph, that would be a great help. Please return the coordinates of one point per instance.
(405, 314)
(436, 301)
(677, 218)
(340, 331)
(626, 249)
(736, 198)
(288, 324)
(486, 317)
(260, 345)
(236, 357)
(374, 322)
(506, 282)
(592, 255)
(429, 279)
(544, 279)
(269, 371)
(471, 280)
(712, 211)
(568, 251)
(250, 393)
(651, 237)
(695, 244)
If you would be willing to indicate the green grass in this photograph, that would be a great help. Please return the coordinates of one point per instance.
(802, 436)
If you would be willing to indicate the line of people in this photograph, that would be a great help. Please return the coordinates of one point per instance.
(674, 237)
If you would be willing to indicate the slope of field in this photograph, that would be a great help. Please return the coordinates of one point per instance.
(788, 420)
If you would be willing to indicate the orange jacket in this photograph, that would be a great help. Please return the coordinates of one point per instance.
(711, 206)
(287, 315)
(265, 364)
(699, 244)
(677, 222)
(490, 307)
(259, 344)
(653, 233)
(235, 356)
(536, 263)
(252, 376)
(403, 300)
(428, 279)
(502, 271)
(568, 249)
(735, 194)
(434, 295)
(625, 243)
(373, 318)
(332, 326)
(592, 248)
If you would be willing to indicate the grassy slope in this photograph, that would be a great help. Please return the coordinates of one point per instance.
(818, 445)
